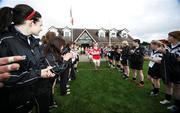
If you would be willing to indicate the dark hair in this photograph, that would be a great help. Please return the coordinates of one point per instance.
(137, 41)
(16, 16)
(70, 43)
(54, 46)
(45, 39)
(175, 34)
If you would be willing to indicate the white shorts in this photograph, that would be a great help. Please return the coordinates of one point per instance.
(96, 62)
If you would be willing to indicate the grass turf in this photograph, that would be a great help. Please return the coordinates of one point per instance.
(105, 91)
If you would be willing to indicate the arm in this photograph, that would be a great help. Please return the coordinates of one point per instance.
(22, 76)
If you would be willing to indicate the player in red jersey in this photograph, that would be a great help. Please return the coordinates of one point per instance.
(96, 56)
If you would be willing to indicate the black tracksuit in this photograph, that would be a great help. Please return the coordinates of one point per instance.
(170, 65)
(62, 73)
(136, 59)
(28, 85)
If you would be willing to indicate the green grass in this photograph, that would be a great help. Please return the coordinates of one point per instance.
(105, 91)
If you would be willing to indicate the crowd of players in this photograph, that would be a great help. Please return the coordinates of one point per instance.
(164, 64)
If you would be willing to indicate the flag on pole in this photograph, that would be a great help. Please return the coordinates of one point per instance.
(72, 21)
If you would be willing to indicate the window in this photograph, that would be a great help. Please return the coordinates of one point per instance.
(66, 34)
(101, 33)
(113, 34)
(124, 34)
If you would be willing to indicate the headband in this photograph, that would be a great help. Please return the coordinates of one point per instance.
(29, 17)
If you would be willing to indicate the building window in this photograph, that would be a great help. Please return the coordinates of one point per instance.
(124, 34)
(66, 34)
(101, 34)
(113, 34)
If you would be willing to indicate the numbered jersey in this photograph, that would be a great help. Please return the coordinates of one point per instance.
(155, 55)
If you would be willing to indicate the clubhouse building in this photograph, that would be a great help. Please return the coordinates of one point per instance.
(86, 37)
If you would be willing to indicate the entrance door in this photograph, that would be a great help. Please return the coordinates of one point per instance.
(85, 45)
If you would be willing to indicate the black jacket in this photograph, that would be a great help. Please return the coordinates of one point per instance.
(138, 56)
(59, 66)
(15, 43)
(125, 53)
(170, 65)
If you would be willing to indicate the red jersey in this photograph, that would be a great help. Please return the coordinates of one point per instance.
(96, 53)
(90, 51)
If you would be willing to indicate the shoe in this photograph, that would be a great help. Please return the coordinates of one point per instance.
(125, 77)
(54, 105)
(163, 102)
(134, 79)
(153, 94)
(68, 93)
(67, 86)
(68, 90)
(173, 108)
(140, 85)
(120, 70)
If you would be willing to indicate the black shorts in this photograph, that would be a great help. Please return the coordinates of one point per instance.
(169, 74)
(136, 66)
(175, 78)
(124, 62)
(154, 73)
(117, 59)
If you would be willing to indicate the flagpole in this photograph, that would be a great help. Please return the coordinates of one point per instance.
(109, 40)
(72, 33)
(72, 22)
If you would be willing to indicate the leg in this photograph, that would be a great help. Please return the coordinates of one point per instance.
(168, 93)
(43, 103)
(126, 70)
(177, 95)
(169, 88)
(98, 63)
(134, 72)
(156, 83)
(95, 64)
(156, 86)
(151, 80)
(141, 75)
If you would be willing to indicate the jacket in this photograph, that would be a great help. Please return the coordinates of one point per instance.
(15, 43)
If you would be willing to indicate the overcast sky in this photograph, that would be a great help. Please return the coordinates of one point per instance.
(145, 19)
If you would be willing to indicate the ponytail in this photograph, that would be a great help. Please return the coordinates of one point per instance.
(6, 18)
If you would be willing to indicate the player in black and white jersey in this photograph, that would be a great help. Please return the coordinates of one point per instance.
(171, 70)
(154, 73)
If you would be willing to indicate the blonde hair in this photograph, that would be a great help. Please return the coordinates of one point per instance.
(156, 42)
(125, 43)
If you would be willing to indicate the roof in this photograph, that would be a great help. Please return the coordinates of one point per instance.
(93, 33)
